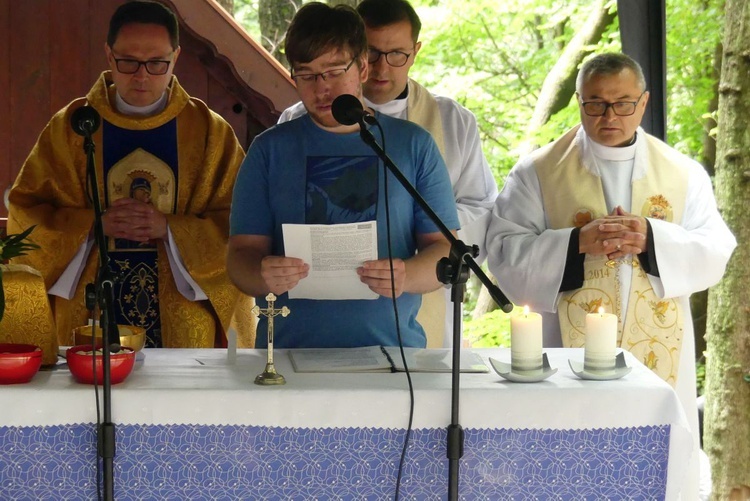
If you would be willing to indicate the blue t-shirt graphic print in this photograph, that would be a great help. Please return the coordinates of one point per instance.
(299, 173)
(341, 189)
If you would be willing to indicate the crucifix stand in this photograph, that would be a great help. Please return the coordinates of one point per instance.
(269, 376)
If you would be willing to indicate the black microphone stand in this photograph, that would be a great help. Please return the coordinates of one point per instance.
(85, 122)
(453, 269)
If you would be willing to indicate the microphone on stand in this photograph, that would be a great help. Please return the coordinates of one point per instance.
(348, 110)
(454, 270)
(85, 121)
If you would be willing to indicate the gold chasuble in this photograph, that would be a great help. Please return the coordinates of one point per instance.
(28, 318)
(422, 109)
(183, 161)
(651, 328)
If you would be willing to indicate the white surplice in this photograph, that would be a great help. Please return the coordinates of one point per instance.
(529, 259)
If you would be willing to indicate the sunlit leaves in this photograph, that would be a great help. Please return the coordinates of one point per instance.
(694, 31)
(493, 57)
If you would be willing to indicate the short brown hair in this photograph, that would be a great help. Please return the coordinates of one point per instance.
(318, 28)
(144, 12)
(380, 13)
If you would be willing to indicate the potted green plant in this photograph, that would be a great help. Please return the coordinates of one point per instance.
(13, 246)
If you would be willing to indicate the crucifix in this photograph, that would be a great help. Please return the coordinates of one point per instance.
(269, 376)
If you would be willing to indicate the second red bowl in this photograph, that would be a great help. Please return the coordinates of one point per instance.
(81, 364)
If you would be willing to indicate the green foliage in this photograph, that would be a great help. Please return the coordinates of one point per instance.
(493, 57)
(246, 13)
(16, 245)
(694, 31)
(489, 331)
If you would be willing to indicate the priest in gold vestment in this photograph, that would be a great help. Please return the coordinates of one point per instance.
(166, 166)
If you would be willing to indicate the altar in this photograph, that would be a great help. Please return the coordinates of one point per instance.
(191, 426)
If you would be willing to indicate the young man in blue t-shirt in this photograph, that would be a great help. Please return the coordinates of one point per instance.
(313, 170)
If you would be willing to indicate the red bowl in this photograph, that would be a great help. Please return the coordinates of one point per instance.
(19, 362)
(81, 364)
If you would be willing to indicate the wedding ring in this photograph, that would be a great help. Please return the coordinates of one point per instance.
(617, 247)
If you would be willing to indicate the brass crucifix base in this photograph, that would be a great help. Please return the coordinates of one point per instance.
(269, 376)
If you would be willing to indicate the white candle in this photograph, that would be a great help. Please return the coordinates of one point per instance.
(526, 341)
(601, 340)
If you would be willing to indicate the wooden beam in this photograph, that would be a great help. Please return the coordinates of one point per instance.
(207, 20)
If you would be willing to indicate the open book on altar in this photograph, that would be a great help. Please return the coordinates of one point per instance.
(381, 359)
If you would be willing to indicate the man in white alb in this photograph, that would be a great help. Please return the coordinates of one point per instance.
(609, 216)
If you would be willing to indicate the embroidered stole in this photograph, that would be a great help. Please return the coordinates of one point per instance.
(422, 109)
(139, 164)
(573, 196)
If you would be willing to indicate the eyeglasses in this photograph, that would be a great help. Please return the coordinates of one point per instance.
(394, 58)
(131, 66)
(330, 75)
(621, 108)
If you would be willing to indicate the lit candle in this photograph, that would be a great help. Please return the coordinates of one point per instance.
(601, 340)
(526, 341)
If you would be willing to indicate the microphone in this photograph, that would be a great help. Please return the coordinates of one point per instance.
(348, 110)
(85, 121)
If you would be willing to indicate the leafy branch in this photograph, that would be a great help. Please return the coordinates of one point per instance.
(16, 245)
(13, 246)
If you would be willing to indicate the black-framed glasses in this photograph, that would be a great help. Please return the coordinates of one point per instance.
(621, 108)
(330, 75)
(153, 66)
(394, 58)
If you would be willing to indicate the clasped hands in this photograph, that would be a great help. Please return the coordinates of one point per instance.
(615, 235)
(282, 274)
(134, 220)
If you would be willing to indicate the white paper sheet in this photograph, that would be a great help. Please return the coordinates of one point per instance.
(334, 252)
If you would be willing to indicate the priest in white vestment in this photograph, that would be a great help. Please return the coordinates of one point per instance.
(609, 216)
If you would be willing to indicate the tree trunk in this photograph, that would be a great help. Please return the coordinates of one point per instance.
(699, 300)
(709, 141)
(274, 17)
(727, 426)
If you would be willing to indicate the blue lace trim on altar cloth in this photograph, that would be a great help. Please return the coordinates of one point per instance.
(180, 462)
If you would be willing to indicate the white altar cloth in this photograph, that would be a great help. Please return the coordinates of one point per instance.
(199, 388)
